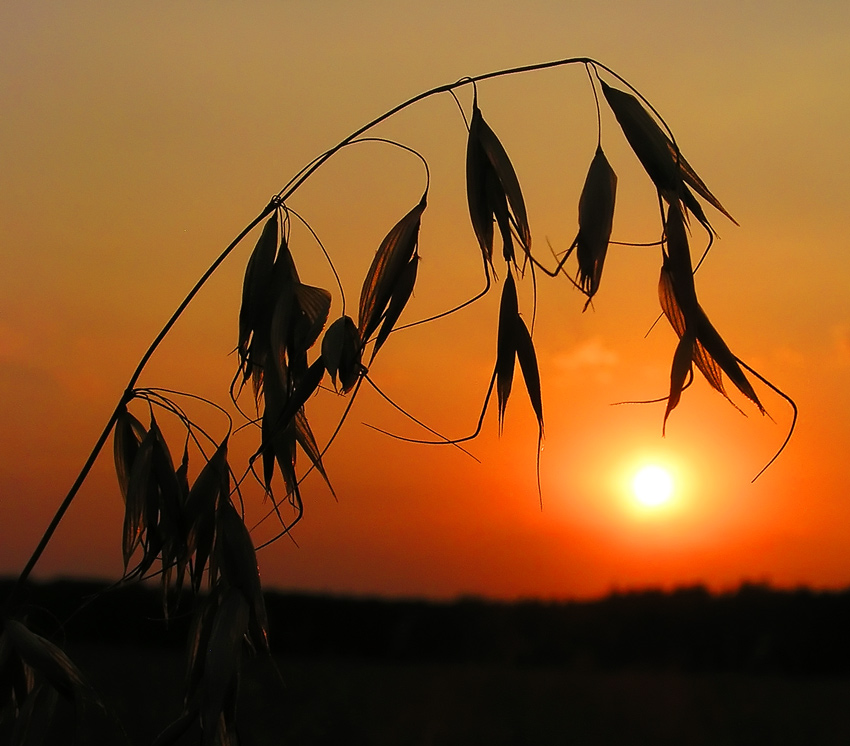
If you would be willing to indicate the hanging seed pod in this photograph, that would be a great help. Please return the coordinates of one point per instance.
(256, 288)
(398, 301)
(265, 349)
(388, 269)
(595, 220)
(700, 342)
(222, 663)
(210, 488)
(279, 333)
(313, 306)
(681, 372)
(142, 499)
(278, 429)
(278, 442)
(530, 371)
(170, 529)
(305, 438)
(711, 354)
(713, 348)
(493, 192)
(170, 500)
(237, 563)
(514, 343)
(677, 258)
(126, 440)
(182, 474)
(341, 352)
(49, 660)
(299, 315)
(506, 345)
(665, 166)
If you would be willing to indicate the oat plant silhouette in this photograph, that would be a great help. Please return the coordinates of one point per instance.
(190, 530)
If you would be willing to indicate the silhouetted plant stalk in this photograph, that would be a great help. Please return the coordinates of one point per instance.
(196, 530)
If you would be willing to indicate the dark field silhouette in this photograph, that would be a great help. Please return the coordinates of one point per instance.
(687, 667)
(755, 629)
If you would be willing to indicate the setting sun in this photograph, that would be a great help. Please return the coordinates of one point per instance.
(652, 486)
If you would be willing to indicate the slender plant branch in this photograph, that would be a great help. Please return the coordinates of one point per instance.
(292, 186)
(126, 397)
(409, 416)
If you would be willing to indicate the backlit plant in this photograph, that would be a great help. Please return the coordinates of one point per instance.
(292, 342)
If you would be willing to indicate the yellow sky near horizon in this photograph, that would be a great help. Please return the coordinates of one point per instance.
(139, 140)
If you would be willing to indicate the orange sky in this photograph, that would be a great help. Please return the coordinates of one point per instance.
(138, 142)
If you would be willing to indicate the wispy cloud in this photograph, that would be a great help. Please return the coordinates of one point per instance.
(591, 353)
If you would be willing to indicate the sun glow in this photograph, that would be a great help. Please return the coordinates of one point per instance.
(652, 486)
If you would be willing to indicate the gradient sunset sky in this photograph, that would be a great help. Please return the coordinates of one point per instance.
(139, 138)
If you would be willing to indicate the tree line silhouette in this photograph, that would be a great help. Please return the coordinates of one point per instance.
(754, 629)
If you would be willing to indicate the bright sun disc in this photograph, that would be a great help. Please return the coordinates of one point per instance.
(652, 486)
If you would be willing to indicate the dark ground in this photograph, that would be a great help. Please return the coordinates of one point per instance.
(754, 667)
(360, 702)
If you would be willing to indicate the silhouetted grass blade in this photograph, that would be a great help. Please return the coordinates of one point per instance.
(696, 183)
(314, 305)
(142, 499)
(505, 173)
(299, 315)
(680, 373)
(478, 172)
(237, 563)
(127, 438)
(530, 371)
(305, 438)
(677, 295)
(666, 167)
(211, 486)
(49, 661)
(398, 301)
(256, 288)
(595, 220)
(677, 259)
(170, 527)
(387, 269)
(278, 436)
(222, 667)
(493, 192)
(506, 345)
(718, 351)
(341, 349)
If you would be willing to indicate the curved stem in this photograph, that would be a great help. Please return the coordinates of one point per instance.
(66, 503)
(128, 394)
(293, 186)
(281, 197)
(269, 208)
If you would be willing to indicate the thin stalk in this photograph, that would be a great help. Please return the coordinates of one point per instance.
(293, 186)
(66, 503)
(281, 197)
(127, 396)
(267, 210)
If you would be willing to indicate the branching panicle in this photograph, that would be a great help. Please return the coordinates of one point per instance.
(189, 520)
